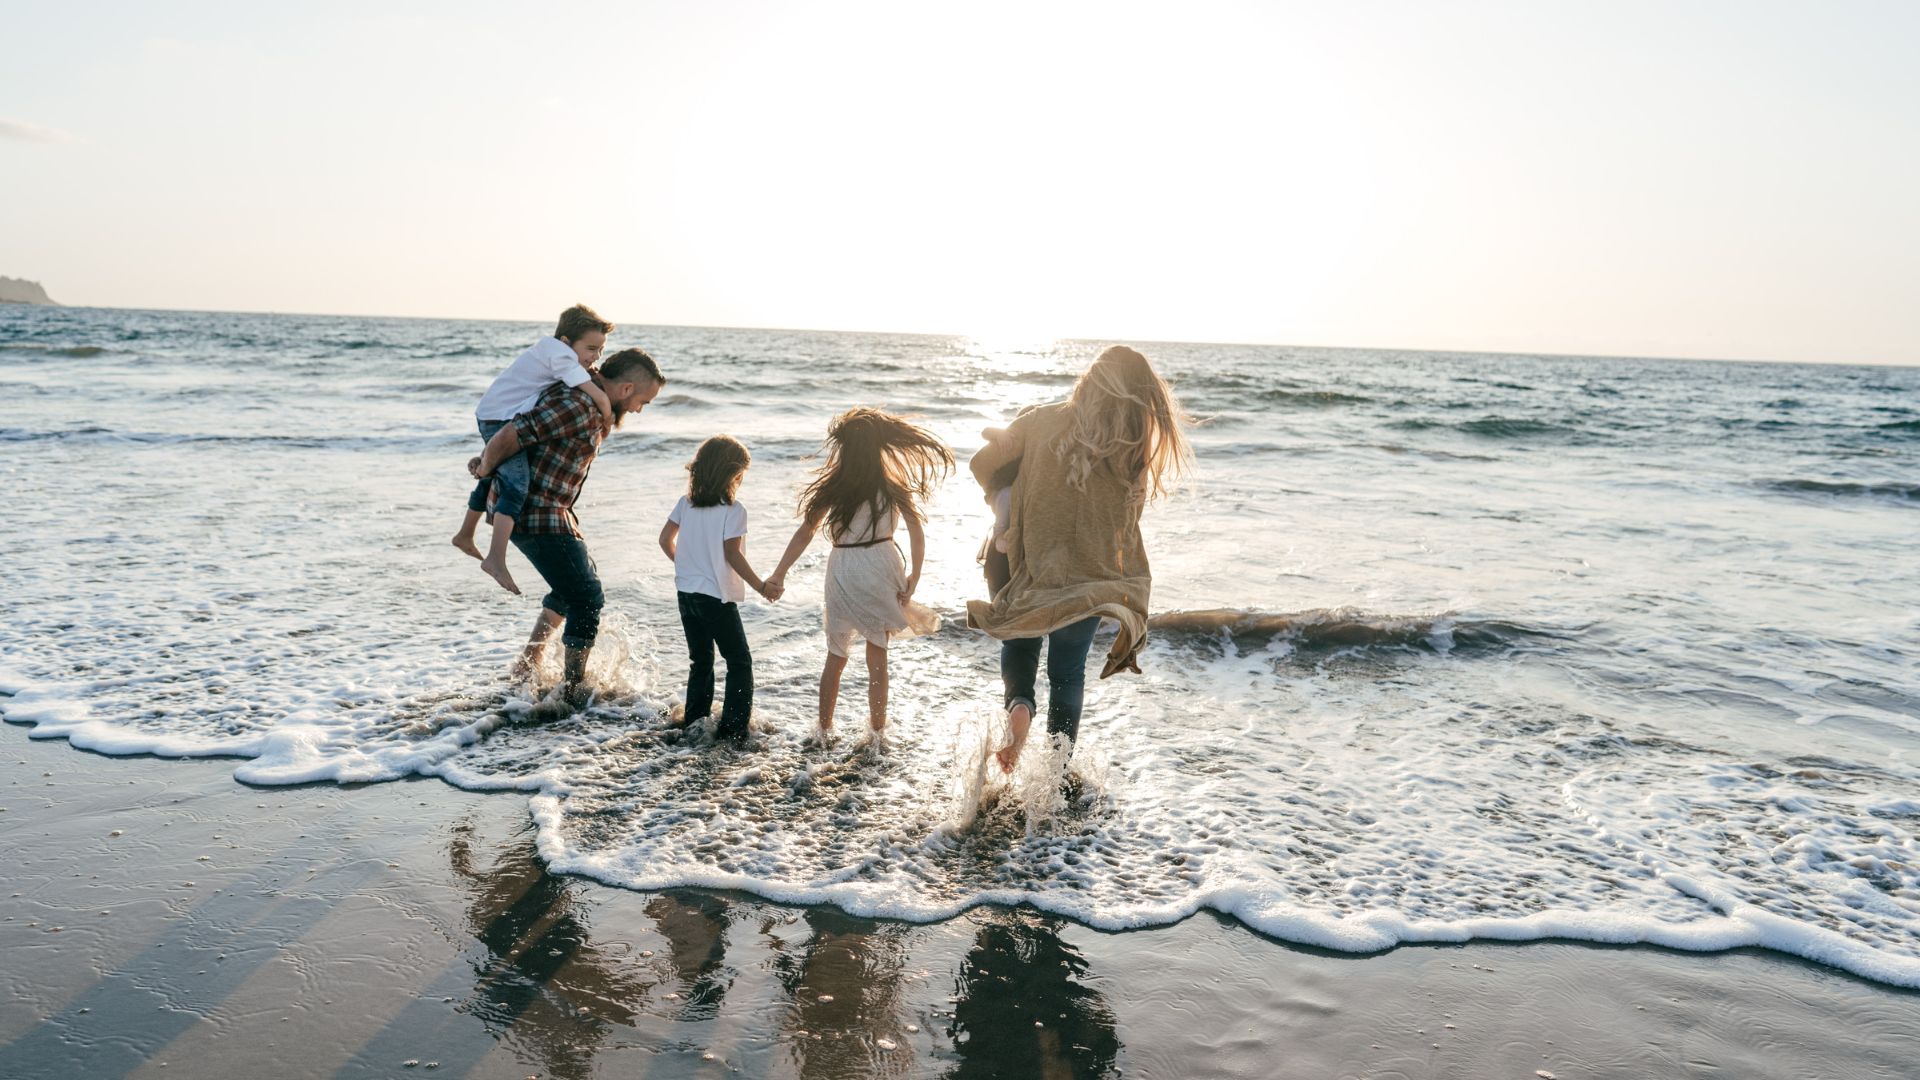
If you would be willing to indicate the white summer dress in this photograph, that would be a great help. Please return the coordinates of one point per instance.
(865, 575)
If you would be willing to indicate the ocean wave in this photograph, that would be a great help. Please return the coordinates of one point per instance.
(1497, 427)
(1348, 627)
(1491, 427)
(684, 401)
(78, 351)
(1310, 399)
(1896, 491)
(94, 433)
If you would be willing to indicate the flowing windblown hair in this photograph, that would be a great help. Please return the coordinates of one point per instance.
(876, 460)
(1125, 418)
(713, 476)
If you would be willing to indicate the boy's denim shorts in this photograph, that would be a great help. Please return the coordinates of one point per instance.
(512, 475)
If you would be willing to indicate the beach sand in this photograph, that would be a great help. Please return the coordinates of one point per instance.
(163, 920)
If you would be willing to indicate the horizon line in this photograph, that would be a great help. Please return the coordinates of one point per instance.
(1446, 351)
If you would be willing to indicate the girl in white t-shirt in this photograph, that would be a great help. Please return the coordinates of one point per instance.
(566, 357)
(705, 536)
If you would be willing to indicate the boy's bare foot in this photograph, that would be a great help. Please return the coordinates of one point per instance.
(498, 572)
(465, 543)
(1018, 718)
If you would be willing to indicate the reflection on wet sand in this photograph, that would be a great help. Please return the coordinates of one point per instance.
(1023, 1006)
(1023, 1001)
(695, 926)
(542, 983)
(846, 986)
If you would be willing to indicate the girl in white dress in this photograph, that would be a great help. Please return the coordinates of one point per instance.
(879, 471)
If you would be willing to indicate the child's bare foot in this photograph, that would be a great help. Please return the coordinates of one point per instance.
(464, 541)
(821, 735)
(1018, 718)
(498, 572)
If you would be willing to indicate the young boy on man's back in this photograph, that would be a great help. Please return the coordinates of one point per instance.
(567, 357)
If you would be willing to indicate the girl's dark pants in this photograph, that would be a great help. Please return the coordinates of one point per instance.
(712, 623)
(1066, 673)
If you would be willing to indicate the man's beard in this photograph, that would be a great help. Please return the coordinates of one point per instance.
(619, 412)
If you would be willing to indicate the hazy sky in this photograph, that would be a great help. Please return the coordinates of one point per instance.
(1733, 179)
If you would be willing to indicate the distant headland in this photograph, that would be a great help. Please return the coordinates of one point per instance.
(22, 291)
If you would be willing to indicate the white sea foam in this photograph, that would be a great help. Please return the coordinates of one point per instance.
(1525, 701)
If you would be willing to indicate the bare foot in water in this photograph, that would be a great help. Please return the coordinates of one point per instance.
(1018, 718)
(464, 541)
(498, 572)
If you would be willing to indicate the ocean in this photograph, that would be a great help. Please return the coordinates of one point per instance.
(1448, 646)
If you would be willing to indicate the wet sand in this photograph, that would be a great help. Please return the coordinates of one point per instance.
(165, 921)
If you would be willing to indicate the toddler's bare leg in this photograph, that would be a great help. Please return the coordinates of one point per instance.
(464, 538)
(495, 564)
(876, 686)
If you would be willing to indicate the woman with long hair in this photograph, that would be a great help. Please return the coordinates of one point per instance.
(1081, 473)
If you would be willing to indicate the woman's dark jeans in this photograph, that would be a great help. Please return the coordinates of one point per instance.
(712, 623)
(1066, 673)
(573, 582)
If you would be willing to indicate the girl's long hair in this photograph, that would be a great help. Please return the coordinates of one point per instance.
(713, 476)
(1125, 418)
(876, 460)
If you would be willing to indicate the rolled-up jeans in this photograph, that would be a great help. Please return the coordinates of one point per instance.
(1066, 673)
(572, 580)
(513, 476)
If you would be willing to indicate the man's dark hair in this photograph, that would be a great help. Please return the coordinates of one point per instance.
(628, 365)
(715, 471)
(577, 320)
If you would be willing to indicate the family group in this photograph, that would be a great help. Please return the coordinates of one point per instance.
(1068, 482)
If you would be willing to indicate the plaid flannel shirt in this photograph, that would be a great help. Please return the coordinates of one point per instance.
(561, 434)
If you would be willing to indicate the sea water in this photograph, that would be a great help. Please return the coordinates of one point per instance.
(1447, 646)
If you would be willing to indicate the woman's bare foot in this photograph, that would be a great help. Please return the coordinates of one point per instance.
(822, 735)
(498, 572)
(464, 541)
(1018, 718)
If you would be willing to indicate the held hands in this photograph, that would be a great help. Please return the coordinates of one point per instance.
(773, 589)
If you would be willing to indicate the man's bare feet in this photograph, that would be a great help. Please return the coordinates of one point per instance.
(1018, 718)
(464, 541)
(562, 702)
(498, 572)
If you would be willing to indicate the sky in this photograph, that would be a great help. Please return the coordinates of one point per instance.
(1689, 179)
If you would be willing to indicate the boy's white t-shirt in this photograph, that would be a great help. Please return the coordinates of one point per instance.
(518, 388)
(700, 557)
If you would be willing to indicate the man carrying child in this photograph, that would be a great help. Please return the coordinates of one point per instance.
(561, 435)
